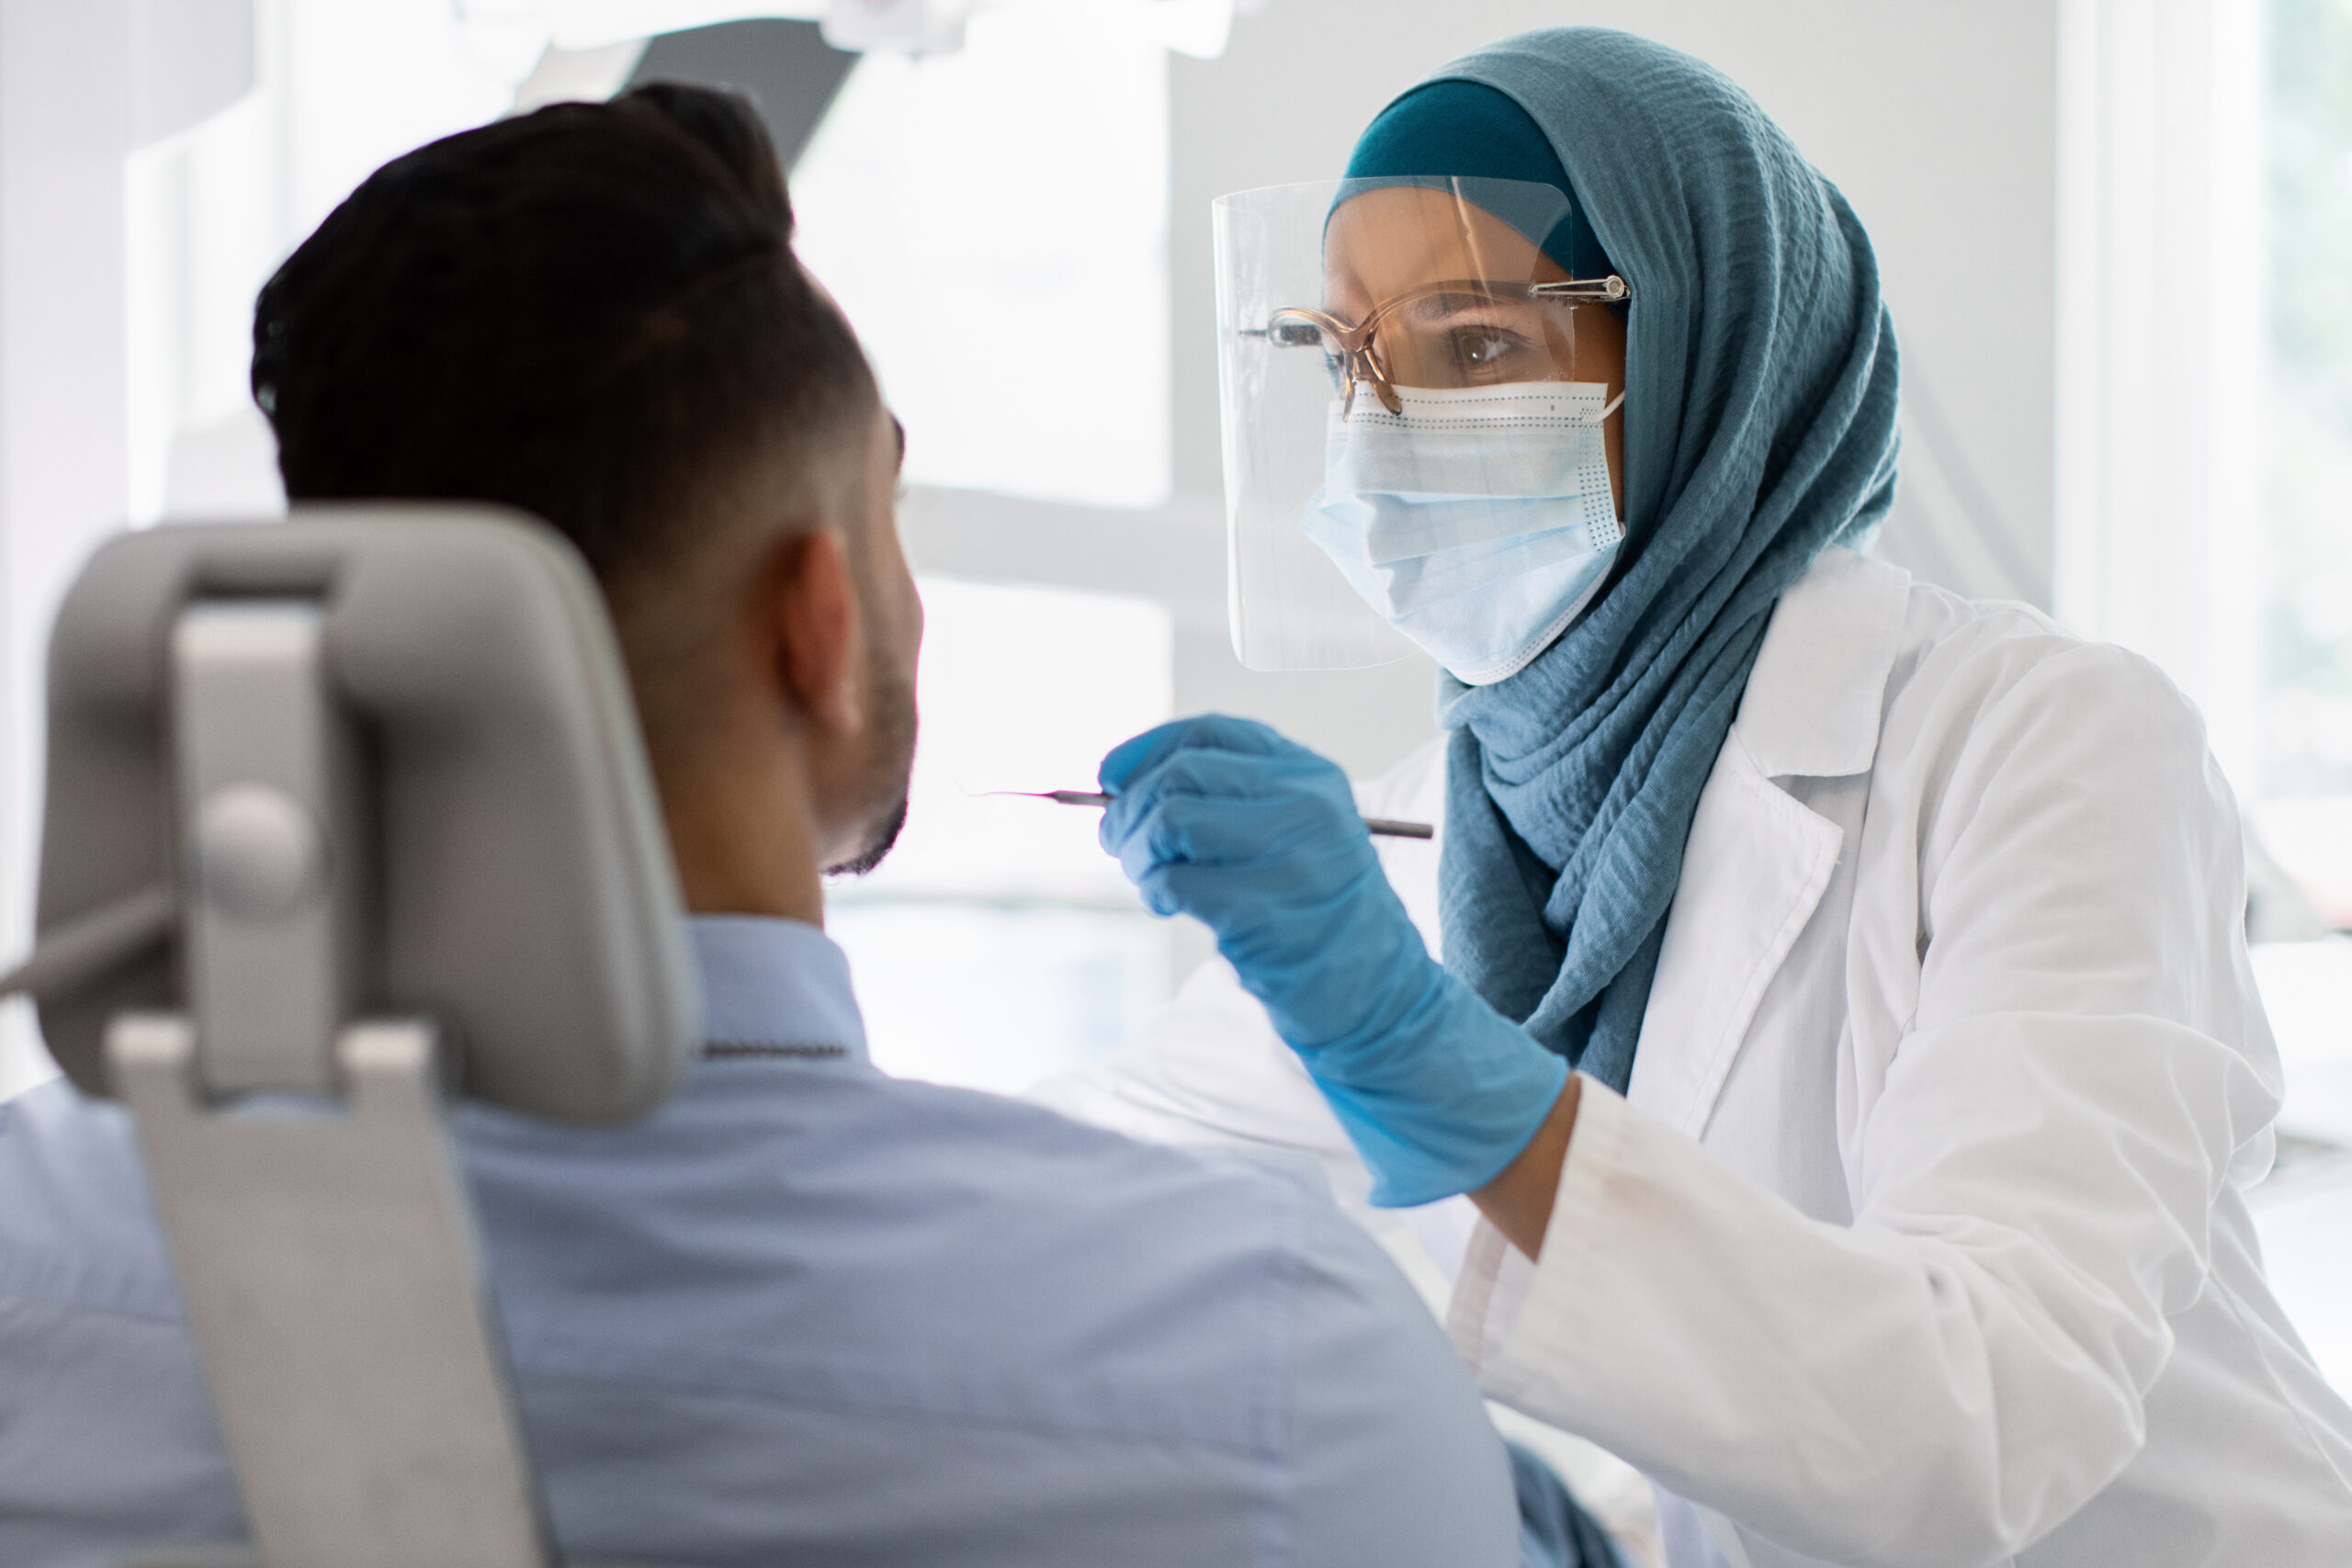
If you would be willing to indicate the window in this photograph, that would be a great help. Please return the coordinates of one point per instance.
(2302, 787)
(1009, 278)
(2298, 781)
(995, 224)
(999, 944)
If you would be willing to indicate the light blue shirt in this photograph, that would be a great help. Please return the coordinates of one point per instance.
(810, 1313)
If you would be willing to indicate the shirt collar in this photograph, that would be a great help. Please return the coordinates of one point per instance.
(1812, 703)
(775, 988)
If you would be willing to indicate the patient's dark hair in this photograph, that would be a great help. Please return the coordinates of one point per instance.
(591, 312)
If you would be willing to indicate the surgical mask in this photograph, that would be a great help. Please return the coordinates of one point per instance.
(1478, 520)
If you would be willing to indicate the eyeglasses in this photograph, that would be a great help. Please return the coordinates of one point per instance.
(1463, 332)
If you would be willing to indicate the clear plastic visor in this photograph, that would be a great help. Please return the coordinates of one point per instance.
(1340, 301)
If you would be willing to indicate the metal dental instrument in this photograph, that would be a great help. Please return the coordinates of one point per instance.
(1385, 827)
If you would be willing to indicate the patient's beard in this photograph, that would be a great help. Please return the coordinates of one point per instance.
(894, 754)
(874, 853)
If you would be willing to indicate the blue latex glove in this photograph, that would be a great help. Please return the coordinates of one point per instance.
(1258, 838)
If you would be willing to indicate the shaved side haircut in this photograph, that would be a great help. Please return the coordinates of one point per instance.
(592, 312)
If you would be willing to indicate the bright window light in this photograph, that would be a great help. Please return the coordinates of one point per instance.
(2302, 787)
(994, 223)
(997, 997)
(999, 944)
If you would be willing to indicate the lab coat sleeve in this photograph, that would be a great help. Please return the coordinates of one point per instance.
(1953, 1376)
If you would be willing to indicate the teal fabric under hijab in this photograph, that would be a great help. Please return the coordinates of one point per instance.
(1443, 131)
(1759, 430)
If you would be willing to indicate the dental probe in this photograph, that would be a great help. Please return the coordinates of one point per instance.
(1385, 826)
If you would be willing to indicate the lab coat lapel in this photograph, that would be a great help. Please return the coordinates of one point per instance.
(1754, 868)
(1756, 861)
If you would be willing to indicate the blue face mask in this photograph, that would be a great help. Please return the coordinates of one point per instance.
(1478, 521)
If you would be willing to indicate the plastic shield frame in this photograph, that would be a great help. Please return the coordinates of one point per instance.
(1324, 301)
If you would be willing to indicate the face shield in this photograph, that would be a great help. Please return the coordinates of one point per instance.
(1413, 448)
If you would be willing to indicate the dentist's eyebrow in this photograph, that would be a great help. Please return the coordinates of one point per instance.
(1438, 307)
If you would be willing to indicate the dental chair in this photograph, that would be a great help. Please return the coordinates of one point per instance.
(349, 816)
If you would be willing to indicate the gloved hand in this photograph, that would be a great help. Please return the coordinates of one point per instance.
(1258, 838)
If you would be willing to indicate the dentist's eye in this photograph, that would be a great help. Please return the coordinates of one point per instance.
(1478, 348)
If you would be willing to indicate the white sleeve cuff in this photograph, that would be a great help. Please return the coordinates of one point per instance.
(1498, 1283)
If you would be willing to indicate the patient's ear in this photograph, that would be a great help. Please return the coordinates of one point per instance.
(815, 630)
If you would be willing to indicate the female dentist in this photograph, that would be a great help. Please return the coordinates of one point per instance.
(1844, 1027)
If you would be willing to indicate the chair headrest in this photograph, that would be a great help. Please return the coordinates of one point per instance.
(522, 891)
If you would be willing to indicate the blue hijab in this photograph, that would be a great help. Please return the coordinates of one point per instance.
(1759, 430)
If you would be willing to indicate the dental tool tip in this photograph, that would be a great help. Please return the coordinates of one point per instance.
(1383, 827)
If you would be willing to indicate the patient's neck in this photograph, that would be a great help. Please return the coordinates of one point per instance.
(742, 829)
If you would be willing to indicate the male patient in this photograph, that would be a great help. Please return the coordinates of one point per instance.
(805, 1312)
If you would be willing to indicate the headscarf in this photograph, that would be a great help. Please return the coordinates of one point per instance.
(1759, 430)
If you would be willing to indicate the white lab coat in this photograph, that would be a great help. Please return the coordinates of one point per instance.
(1920, 1238)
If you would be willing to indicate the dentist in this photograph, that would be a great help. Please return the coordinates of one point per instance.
(1844, 1030)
